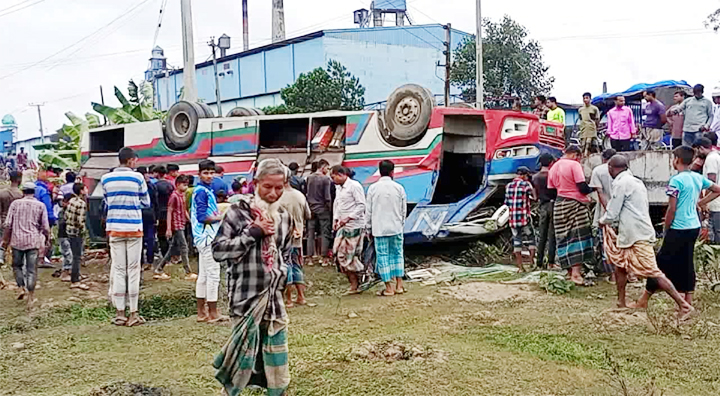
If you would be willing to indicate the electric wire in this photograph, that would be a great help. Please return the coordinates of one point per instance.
(18, 9)
(71, 45)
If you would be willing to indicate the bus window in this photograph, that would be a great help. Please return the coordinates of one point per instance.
(107, 141)
(284, 133)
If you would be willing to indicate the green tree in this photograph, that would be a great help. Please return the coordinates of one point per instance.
(333, 88)
(713, 20)
(512, 64)
(137, 107)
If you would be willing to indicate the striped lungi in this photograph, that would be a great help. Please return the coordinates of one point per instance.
(573, 232)
(390, 261)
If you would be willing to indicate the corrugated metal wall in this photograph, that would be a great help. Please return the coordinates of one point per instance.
(383, 58)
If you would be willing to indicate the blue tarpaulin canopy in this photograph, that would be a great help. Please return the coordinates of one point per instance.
(638, 89)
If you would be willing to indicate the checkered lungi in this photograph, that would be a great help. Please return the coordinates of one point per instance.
(390, 262)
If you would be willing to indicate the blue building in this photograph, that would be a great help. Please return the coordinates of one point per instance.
(8, 130)
(383, 58)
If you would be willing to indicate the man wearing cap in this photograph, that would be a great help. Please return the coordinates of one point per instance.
(26, 230)
(698, 111)
(518, 194)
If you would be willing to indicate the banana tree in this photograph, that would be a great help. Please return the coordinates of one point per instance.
(137, 107)
(66, 152)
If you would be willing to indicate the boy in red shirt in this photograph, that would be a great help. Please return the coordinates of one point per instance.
(177, 217)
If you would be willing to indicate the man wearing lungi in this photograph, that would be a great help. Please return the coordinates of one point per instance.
(349, 225)
(573, 232)
(631, 249)
(295, 204)
(254, 236)
(386, 211)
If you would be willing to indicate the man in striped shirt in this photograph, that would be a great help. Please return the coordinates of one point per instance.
(125, 194)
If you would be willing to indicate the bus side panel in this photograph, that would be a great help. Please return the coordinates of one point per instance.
(234, 137)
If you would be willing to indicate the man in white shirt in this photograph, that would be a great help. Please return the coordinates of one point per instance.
(631, 248)
(601, 181)
(386, 211)
(349, 225)
(711, 170)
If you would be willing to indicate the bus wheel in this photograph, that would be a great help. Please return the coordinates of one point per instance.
(241, 112)
(182, 124)
(407, 115)
(207, 110)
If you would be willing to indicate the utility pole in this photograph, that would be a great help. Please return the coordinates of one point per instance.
(102, 101)
(246, 28)
(448, 59)
(217, 80)
(42, 132)
(479, 86)
(278, 21)
(189, 80)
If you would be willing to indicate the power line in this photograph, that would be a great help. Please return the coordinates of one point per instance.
(15, 5)
(160, 21)
(71, 45)
(18, 9)
(101, 35)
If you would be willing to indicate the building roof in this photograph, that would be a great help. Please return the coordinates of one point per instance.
(419, 36)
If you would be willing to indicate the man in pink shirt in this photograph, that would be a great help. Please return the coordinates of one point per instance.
(620, 125)
(573, 228)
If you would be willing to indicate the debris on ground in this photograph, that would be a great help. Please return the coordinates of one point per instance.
(446, 272)
(353, 315)
(18, 346)
(393, 351)
(128, 389)
(488, 292)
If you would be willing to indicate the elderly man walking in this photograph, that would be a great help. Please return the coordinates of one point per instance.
(125, 194)
(631, 248)
(385, 216)
(254, 236)
(349, 225)
(26, 229)
(573, 232)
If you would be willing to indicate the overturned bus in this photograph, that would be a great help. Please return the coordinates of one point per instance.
(452, 162)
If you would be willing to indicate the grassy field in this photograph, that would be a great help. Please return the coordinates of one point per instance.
(540, 344)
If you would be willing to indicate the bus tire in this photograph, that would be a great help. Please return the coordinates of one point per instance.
(407, 115)
(241, 112)
(207, 110)
(182, 124)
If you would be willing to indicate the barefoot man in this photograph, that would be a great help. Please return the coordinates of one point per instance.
(254, 237)
(631, 249)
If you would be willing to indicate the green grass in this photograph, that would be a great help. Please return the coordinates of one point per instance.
(548, 345)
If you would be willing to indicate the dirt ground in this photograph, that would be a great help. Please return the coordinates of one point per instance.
(474, 338)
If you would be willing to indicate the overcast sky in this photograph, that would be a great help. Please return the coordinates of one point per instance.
(60, 51)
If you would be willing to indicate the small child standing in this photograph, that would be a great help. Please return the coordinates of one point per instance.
(177, 217)
(518, 194)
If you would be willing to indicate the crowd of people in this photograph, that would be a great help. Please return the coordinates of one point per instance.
(264, 232)
(687, 118)
(621, 222)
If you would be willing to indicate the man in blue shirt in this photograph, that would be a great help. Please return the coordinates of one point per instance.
(682, 226)
(42, 194)
(205, 221)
